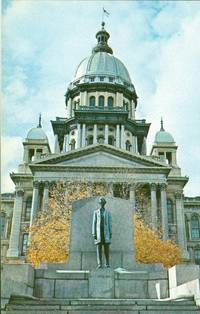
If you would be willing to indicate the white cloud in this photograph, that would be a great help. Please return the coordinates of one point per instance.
(44, 41)
(11, 154)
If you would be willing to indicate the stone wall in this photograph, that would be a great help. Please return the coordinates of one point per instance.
(16, 279)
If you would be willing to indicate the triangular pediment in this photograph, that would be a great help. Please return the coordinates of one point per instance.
(100, 156)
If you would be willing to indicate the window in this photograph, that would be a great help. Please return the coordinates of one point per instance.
(3, 223)
(128, 146)
(24, 243)
(170, 213)
(27, 213)
(110, 79)
(101, 78)
(169, 157)
(110, 102)
(197, 256)
(101, 101)
(90, 140)
(73, 144)
(111, 140)
(30, 154)
(92, 101)
(195, 227)
(100, 139)
(92, 79)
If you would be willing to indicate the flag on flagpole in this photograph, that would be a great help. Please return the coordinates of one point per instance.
(106, 12)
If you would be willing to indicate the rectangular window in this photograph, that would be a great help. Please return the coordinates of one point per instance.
(92, 79)
(101, 78)
(197, 256)
(24, 243)
(110, 79)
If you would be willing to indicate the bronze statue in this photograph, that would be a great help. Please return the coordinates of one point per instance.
(102, 232)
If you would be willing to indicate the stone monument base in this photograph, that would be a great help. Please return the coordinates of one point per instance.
(101, 283)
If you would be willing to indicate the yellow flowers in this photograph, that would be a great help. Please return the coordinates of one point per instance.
(50, 233)
(151, 249)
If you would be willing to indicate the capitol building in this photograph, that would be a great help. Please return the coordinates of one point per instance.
(101, 140)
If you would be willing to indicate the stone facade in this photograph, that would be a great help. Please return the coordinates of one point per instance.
(100, 140)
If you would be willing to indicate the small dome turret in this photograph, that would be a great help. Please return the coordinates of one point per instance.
(162, 136)
(37, 133)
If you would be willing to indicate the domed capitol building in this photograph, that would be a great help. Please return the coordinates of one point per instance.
(101, 140)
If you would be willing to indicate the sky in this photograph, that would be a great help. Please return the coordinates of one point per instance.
(44, 41)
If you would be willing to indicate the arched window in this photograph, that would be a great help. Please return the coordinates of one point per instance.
(90, 140)
(3, 224)
(195, 227)
(101, 101)
(170, 213)
(24, 243)
(73, 144)
(111, 140)
(128, 146)
(92, 101)
(27, 213)
(110, 102)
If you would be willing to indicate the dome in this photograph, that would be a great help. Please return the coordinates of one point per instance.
(36, 134)
(164, 137)
(105, 64)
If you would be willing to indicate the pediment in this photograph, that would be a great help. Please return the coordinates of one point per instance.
(100, 159)
(100, 156)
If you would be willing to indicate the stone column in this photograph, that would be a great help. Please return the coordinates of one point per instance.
(106, 134)
(122, 137)
(13, 250)
(95, 134)
(110, 189)
(153, 206)
(78, 135)
(83, 135)
(45, 196)
(117, 136)
(181, 234)
(132, 197)
(66, 143)
(136, 144)
(144, 146)
(56, 145)
(35, 202)
(164, 211)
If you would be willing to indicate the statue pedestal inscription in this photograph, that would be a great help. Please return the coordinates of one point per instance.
(101, 284)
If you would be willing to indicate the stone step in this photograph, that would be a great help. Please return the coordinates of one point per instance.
(25, 305)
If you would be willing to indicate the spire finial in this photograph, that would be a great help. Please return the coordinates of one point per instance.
(40, 121)
(161, 125)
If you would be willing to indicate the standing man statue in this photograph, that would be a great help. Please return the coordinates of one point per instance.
(102, 232)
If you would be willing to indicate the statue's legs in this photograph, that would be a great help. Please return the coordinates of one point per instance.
(106, 252)
(99, 255)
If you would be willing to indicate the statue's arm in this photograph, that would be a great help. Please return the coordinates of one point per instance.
(94, 223)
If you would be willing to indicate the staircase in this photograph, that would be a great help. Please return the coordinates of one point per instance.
(26, 305)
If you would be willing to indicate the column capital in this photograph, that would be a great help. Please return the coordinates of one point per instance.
(178, 195)
(153, 186)
(36, 184)
(133, 186)
(19, 193)
(163, 186)
(46, 184)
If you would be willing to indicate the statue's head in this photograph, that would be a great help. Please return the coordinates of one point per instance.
(102, 201)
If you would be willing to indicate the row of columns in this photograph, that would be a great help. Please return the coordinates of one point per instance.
(81, 139)
(13, 250)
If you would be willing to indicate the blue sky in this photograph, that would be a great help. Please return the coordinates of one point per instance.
(44, 41)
